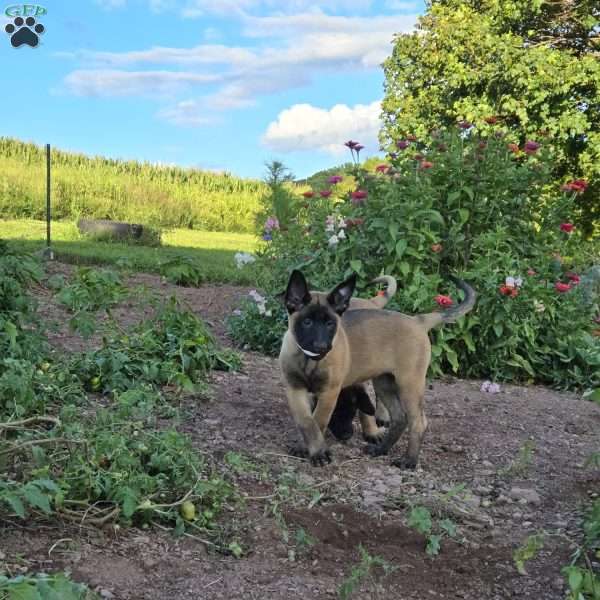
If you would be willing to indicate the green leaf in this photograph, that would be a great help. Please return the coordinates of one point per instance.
(433, 545)
(400, 248)
(404, 268)
(593, 395)
(15, 503)
(356, 265)
(464, 215)
(498, 329)
(23, 591)
(35, 497)
(575, 579)
(420, 519)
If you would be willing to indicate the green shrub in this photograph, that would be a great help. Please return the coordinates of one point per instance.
(467, 205)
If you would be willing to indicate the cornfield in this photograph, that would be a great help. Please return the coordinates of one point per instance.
(103, 188)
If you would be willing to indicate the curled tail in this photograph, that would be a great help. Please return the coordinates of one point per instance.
(455, 312)
(391, 286)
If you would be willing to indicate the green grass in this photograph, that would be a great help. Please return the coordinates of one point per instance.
(214, 251)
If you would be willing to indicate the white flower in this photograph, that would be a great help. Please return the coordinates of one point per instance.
(489, 387)
(261, 309)
(256, 297)
(539, 306)
(513, 281)
(268, 313)
(333, 240)
(237, 312)
(243, 258)
(341, 235)
(341, 223)
(329, 227)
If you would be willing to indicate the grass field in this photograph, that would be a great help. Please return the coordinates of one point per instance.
(136, 192)
(214, 251)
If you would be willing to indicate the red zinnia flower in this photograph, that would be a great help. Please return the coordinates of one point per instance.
(334, 179)
(443, 300)
(308, 194)
(508, 290)
(426, 164)
(567, 227)
(402, 144)
(381, 168)
(531, 147)
(531, 272)
(358, 148)
(491, 120)
(465, 124)
(573, 277)
(325, 193)
(578, 186)
(513, 148)
(436, 248)
(561, 287)
(356, 222)
(418, 156)
(358, 197)
(482, 145)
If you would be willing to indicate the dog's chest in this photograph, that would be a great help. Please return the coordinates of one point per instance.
(306, 375)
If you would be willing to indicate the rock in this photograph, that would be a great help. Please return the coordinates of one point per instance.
(487, 463)
(106, 594)
(528, 496)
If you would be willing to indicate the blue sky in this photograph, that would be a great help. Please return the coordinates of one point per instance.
(220, 85)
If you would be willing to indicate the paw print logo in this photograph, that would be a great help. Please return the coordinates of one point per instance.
(24, 31)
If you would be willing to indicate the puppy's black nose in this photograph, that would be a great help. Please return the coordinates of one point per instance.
(321, 347)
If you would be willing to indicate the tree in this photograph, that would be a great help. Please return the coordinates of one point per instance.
(280, 201)
(529, 67)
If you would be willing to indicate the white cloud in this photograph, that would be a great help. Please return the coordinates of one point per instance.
(132, 83)
(307, 127)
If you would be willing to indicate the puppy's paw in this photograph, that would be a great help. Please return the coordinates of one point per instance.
(321, 458)
(298, 450)
(382, 422)
(376, 450)
(405, 462)
(342, 435)
(375, 437)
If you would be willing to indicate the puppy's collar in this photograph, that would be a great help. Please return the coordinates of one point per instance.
(308, 352)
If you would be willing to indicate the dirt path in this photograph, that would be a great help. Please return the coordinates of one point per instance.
(501, 467)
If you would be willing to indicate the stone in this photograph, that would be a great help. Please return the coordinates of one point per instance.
(529, 496)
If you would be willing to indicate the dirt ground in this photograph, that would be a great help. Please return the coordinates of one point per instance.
(501, 466)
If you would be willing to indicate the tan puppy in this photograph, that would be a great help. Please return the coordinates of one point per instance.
(328, 348)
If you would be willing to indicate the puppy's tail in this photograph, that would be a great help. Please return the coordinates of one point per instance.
(391, 286)
(452, 314)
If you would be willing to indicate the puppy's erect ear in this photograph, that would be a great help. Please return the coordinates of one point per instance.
(339, 297)
(296, 294)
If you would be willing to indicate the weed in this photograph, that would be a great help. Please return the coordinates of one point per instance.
(521, 464)
(527, 550)
(365, 570)
(42, 586)
(182, 270)
(421, 519)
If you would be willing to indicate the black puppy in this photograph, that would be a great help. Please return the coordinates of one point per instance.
(350, 400)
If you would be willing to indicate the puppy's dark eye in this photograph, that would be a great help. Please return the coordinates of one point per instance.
(330, 325)
(307, 322)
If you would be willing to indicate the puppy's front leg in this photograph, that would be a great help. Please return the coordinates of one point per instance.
(300, 406)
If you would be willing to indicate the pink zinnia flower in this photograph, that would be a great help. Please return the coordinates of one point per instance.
(561, 287)
(381, 168)
(419, 156)
(308, 194)
(531, 147)
(513, 148)
(351, 144)
(358, 197)
(531, 272)
(358, 148)
(443, 300)
(402, 144)
(573, 277)
(465, 124)
(271, 223)
(325, 193)
(356, 222)
(436, 248)
(567, 227)
(425, 164)
(334, 179)
(508, 290)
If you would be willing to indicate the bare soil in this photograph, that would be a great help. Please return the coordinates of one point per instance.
(501, 466)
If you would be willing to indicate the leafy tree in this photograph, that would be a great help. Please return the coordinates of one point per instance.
(531, 67)
(280, 200)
